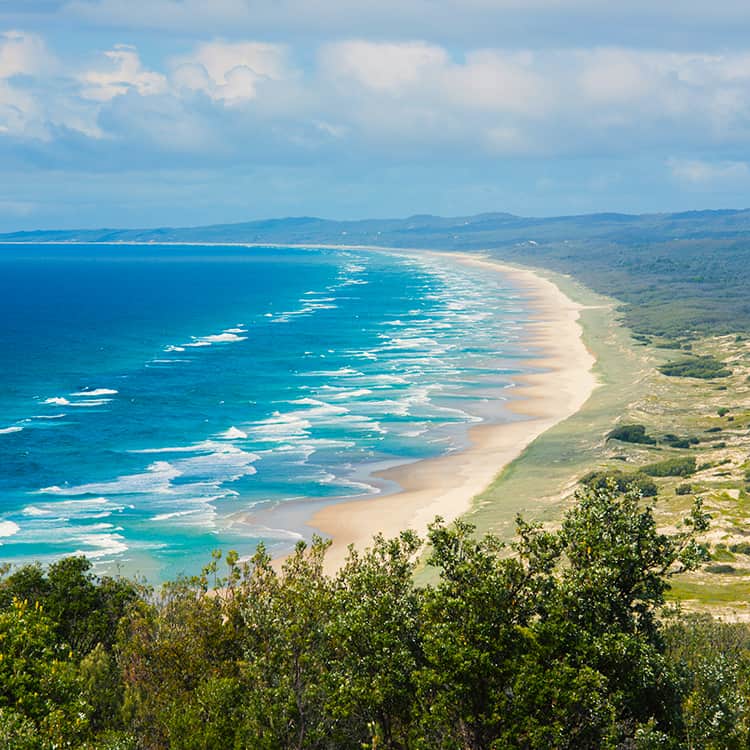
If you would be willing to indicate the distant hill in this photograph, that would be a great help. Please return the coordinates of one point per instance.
(459, 233)
(677, 273)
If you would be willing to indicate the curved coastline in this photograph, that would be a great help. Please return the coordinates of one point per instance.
(447, 485)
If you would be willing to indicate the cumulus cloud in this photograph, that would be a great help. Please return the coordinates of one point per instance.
(23, 54)
(411, 99)
(123, 72)
(383, 67)
(231, 71)
(24, 58)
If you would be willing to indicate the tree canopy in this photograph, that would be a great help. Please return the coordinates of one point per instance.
(558, 640)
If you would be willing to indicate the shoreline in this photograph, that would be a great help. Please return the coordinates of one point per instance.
(447, 485)
(450, 485)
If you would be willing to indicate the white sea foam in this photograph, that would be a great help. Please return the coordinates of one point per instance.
(352, 393)
(156, 479)
(48, 416)
(210, 468)
(105, 545)
(386, 378)
(280, 427)
(57, 401)
(233, 433)
(175, 514)
(96, 392)
(9, 430)
(91, 402)
(32, 510)
(171, 348)
(8, 528)
(363, 487)
(207, 446)
(223, 338)
(342, 372)
(80, 509)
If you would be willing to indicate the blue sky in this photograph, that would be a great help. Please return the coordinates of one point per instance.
(179, 112)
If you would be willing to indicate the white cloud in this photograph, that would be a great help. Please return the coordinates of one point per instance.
(21, 111)
(23, 54)
(697, 172)
(496, 81)
(124, 72)
(385, 67)
(395, 99)
(231, 71)
(616, 75)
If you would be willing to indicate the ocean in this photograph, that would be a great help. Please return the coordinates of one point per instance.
(160, 402)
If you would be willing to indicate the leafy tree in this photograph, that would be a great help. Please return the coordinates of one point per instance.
(287, 651)
(168, 650)
(38, 682)
(373, 633)
(85, 610)
(475, 633)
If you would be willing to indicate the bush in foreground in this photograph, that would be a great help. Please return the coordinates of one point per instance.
(553, 642)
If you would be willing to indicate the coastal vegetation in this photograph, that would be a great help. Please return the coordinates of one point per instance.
(706, 419)
(560, 639)
(631, 433)
(705, 367)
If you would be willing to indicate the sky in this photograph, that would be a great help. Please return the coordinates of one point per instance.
(145, 113)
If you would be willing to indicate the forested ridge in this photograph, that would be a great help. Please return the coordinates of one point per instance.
(676, 274)
(559, 640)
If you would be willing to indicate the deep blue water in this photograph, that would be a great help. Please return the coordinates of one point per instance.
(153, 399)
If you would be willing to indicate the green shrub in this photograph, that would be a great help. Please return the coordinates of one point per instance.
(675, 441)
(741, 548)
(722, 411)
(705, 367)
(683, 489)
(631, 433)
(721, 568)
(600, 480)
(671, 467)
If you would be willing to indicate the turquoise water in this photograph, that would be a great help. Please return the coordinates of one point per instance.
(159, 402)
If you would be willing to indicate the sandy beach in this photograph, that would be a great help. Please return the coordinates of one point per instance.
(446, 486)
